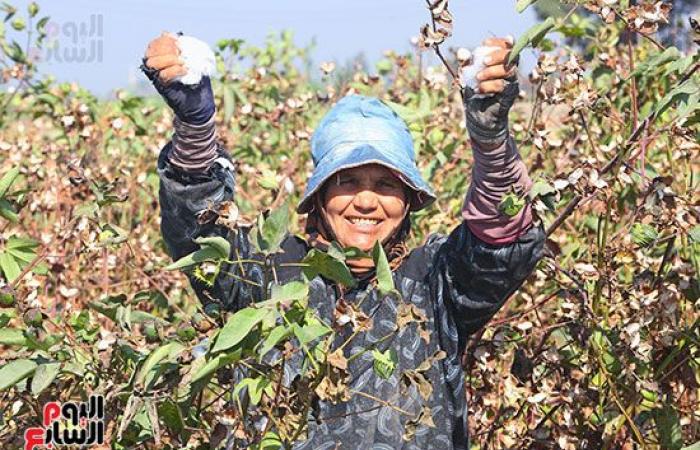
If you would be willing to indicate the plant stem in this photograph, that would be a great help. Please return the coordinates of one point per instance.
(436, 48)
(382, 402)
(633, 85)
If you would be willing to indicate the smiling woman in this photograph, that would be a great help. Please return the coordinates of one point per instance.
(364, 185)
(366, 204)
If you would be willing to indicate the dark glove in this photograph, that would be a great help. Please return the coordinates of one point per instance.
(487, 117)
(193, 104)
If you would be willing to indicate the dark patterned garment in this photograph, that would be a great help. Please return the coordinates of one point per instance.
(458, 281)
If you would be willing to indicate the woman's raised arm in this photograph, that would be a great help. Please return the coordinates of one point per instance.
(196, 173)
(489, 255)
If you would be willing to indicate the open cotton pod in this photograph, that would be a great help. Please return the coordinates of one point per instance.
(199, 59)
(469, 71)
(464, 56)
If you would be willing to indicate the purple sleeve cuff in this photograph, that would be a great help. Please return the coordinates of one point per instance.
(495, 173)
(194, 146)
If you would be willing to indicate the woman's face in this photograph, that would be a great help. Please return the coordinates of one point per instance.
(364, 204)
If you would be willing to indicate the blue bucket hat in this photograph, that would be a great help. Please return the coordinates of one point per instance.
(362, 130)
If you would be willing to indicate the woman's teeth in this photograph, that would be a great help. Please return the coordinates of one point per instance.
(358, 221)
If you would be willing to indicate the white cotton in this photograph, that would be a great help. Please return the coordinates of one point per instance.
(199, 59)
(469, 72)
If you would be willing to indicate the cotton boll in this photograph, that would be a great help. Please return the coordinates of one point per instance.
(468, 75)
(199, 59)
(464, 56)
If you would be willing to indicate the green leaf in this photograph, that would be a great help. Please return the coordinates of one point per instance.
(644, 234)
(669, 428)
(171, 416)
(7, 298)
(384, 66)
(656, 61)
(522, 5)
(7, 180)
(274, 229)
(311, 331)
(237, 328)
(268, 180)
(320, 263)
(16, 53)
(19, 24)
(149, 371)
(511, 204)
(107, 306)
(288, 293)
(44, 375)
(256, 387)
(12, 336)
(138, 316)
(344, 253)
(9, 267)
(21, 249)
(41, 26)
(16, 371)
(197, 257)
(22, 256)
(21, 243)
(684, 90)
(270, 442)
(33, 9)
(531, 37)
(411, 114)
(385, 280)
(384, 363)
(273, 338)
(695, 446)
(112, 235)
(220, 244)
(679, 66)
(214, 364)
(7, 211)
(541, 188)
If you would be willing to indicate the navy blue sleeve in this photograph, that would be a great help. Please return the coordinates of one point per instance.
(184, 198)
(473, 279)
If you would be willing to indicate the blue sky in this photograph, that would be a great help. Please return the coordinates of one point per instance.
(342, 29)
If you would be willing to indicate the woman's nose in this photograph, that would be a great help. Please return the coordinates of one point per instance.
(365, 200)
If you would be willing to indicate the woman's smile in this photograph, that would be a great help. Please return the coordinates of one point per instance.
(362, 223)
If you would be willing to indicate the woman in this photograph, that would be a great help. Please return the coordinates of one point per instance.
(364, 185)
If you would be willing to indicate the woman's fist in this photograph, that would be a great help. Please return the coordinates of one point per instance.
(489, 94)
(163, 55)
(165, 65)
(494, 77)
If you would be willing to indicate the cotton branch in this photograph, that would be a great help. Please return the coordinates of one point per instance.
(433, 37)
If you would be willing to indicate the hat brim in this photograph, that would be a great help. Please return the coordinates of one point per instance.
(360, 155)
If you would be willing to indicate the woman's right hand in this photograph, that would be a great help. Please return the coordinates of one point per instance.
(163, 54)
(163, 64)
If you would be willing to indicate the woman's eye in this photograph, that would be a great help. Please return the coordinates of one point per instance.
(388, 184)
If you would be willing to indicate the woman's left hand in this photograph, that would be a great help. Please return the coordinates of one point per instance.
(494, 78)
(487, 107)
